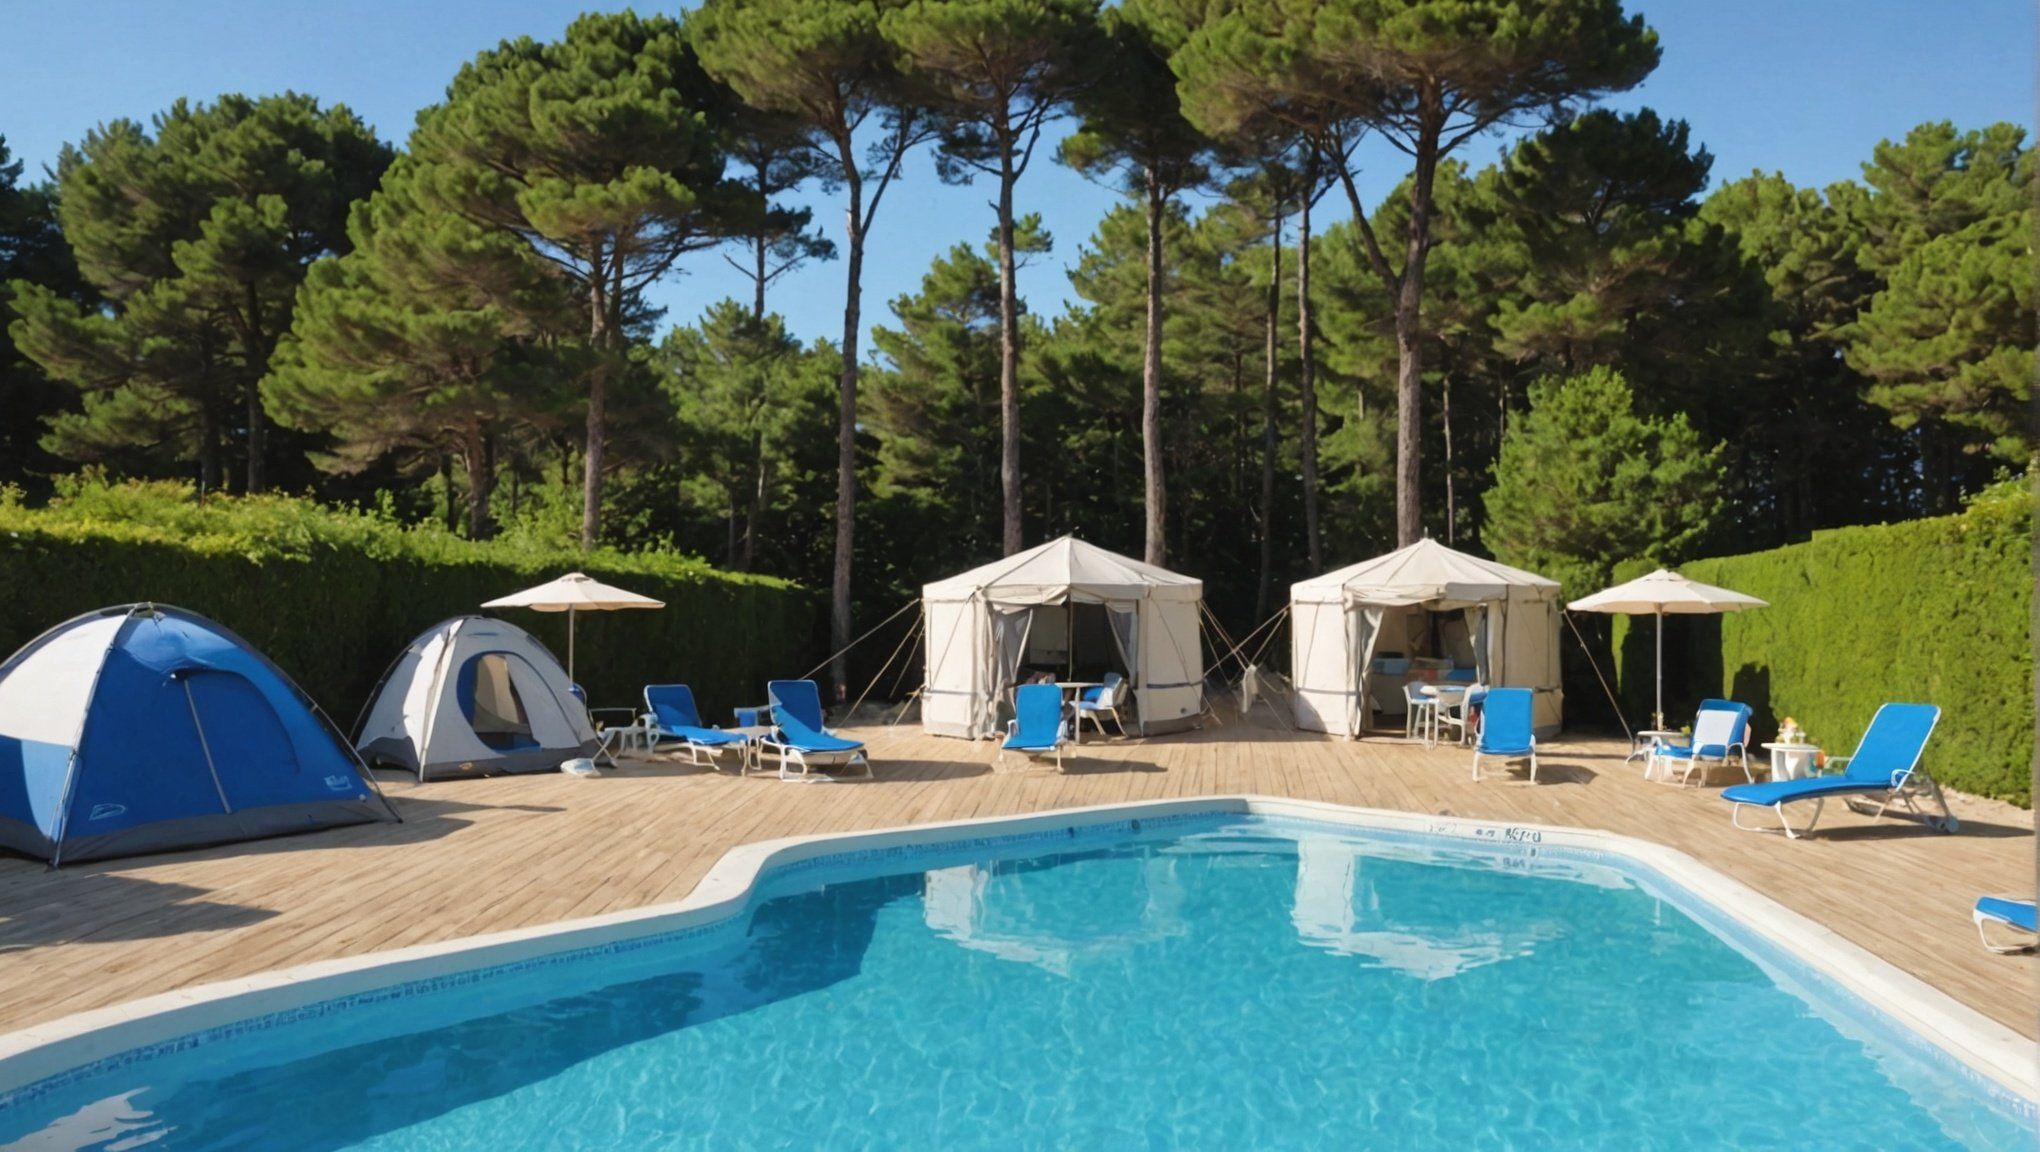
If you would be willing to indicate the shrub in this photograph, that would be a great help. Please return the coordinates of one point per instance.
(332, 595)
(1935, 611)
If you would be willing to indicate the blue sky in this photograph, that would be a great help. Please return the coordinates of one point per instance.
(1804, 87)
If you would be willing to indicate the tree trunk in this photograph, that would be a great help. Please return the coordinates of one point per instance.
(730, 524)
(846, 425)
(1409, 391)
(479, 455)
(258, 365)
(257, 347)
(749, 561)
(450, 512)
(1151, 382)
(596, 432)
(760, 251)
(209, 466)
(1268, 436)
(1011, 535)
(1306, 373)
(1445, 412)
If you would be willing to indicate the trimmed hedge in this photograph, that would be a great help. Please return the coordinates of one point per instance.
(1936, 611)
(333, 595)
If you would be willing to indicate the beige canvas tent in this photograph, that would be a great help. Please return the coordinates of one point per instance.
(1048, 608)
(1359, 634)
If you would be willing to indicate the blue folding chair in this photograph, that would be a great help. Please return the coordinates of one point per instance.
(1886, 766)
(1037, 727)
(1505, 729)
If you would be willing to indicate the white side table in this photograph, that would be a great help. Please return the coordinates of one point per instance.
(1658, 737)
(1792, 761)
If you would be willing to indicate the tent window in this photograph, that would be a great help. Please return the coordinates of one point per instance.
(489, 700)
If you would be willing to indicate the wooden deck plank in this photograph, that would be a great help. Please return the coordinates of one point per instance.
(486, 855)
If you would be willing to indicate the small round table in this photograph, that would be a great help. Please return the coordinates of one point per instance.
(1445, 695)
(1791, 761)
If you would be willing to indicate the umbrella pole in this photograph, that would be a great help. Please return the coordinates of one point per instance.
(570, 643)
(1659, 721)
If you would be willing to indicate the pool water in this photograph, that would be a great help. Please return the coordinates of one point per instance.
(1235, 983)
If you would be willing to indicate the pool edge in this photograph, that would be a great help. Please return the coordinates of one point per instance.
(32, 1055)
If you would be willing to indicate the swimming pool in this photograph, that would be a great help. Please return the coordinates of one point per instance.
(1213, 979)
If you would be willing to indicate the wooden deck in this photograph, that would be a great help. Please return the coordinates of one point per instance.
(481, 855)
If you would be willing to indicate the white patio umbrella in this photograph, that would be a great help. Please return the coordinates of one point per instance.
(573, 593)
(1659, 594)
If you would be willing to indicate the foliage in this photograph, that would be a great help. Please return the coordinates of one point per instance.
(598, 151)
(426, 340)
(32, 250)
(1583, 483)
(197, 236)
(333, 595)
(1936, 611)
(1951, 336)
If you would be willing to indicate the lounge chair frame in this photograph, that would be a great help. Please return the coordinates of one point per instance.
(807, 760)
(1732, 751)
(1061, 738)
(2023, 941)
(1907, 787)
(1506, 754)
(654, 732)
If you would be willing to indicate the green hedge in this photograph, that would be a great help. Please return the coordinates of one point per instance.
(333, 595)
(1937, 611)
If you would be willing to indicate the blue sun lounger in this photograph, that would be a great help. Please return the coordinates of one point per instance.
(1885, 767)
(800, 737)
(1037, 727)
(1506, 729)
(2018, 915)
(670, 714)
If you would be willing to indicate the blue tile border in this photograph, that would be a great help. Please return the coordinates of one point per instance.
(1472, 837)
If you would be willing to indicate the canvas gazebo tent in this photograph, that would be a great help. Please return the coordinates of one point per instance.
(473, 696)
(1034, 609)
(1358, 633)
(146, 728)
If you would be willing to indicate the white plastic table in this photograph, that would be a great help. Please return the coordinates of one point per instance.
(1792, 761)
(1444, 694)
(1072, 690)
(754, 739)
(1657, 737)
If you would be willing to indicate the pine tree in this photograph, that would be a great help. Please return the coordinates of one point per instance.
(826, 66)
(197, 236)
(994, 73)
(1133, 130)
(1584, 483)
(598, 151)
(425, 341)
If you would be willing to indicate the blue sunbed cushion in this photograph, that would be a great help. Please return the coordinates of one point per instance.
(707, 736)
(798, 735)
(1685, 752)
(2018, 913)
(1781, 791)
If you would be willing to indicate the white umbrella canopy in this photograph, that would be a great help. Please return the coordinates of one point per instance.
(573, 593)
(1659, 594)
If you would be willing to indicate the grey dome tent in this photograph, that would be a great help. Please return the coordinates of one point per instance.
(472, 696)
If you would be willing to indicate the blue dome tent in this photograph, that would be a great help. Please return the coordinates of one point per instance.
(144, 728)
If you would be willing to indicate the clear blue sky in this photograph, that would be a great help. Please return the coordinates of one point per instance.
(1804, 87)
